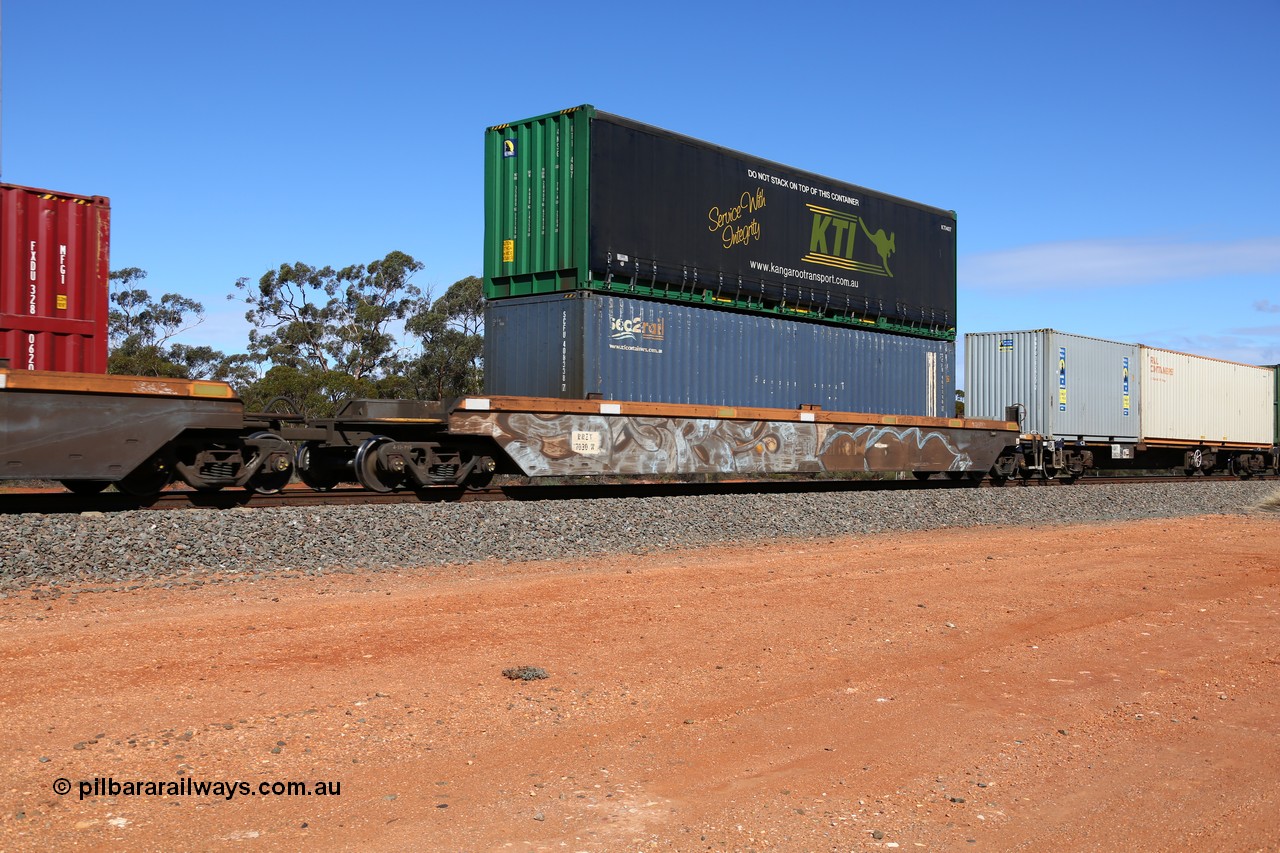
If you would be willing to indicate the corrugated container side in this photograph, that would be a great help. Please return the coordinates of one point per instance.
(1275, 370)
(54, 279)
(581, 344)
(1072, 387)
(585, 199)
(536, 198)
(1193, 398)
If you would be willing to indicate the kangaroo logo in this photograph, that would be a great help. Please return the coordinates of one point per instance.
(884, 245)
(832, 242)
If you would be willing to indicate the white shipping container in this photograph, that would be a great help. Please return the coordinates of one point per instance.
(1193, 398)
(1069, 386)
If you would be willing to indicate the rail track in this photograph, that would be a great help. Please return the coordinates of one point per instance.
(56, 501)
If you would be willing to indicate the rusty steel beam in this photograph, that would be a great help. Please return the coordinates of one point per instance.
(50, 435)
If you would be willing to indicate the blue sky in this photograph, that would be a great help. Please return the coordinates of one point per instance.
(1113, 165)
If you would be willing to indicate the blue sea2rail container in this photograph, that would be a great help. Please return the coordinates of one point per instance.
(583, 344)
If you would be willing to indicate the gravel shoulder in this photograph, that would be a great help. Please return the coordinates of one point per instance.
(1106, 685)
(201, 546)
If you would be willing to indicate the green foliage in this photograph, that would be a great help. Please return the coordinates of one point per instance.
(139, 331)
(331, 321)
(321, 335)
(451, 360)
(307, 391)
(208, 363)
(132, 359)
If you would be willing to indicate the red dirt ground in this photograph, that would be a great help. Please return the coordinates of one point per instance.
(1110, 687)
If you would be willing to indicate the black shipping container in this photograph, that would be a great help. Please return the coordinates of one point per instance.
(661, 215)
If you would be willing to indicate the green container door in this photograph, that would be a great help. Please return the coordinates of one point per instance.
(1277, 405)
(536, 182)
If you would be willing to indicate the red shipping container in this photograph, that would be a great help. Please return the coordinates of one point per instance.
(54, 279)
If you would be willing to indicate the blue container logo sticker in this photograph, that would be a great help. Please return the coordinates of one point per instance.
(1126, 388)
(1062, 379)
(1006, 345)
(635, 334)
(508, 148)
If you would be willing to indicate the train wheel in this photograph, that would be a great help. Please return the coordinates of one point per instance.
(482, 473)
(311, 472)
(85, 487)
(369, 473)
(148, 479)
(277, 470)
